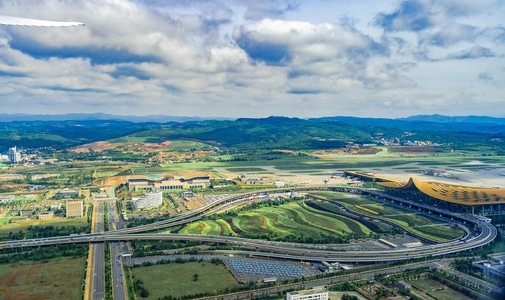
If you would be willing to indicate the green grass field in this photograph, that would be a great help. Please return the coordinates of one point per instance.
(23, 225)
(425, 226)
(60, 279)
(245, 169)
(296, 219)
(448, 294)
(177, 279)
(436, 290)
(426, 284)
(328, 206)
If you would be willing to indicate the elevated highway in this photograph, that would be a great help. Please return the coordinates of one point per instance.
(483, 233)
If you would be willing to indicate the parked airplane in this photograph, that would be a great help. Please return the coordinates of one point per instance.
(15, 21)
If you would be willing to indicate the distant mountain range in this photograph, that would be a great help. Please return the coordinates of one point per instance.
(100, 116)
(63, 131)
(474, 124)
(181, 119)
(456, 119)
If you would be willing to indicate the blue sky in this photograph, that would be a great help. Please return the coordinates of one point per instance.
(256, 58)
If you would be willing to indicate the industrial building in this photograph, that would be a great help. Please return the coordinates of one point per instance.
(168, 182)
(314, 294)
(74, 208)
(150, 200)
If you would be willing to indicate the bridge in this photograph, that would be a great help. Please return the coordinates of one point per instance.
(483, 234)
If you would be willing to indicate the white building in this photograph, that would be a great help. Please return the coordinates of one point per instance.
(314, 294)
(14, 155)
(149, 200)
(7, 199)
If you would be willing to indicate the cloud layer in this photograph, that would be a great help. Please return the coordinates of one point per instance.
(225, 58)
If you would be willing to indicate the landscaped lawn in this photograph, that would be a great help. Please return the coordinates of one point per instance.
(428, 227)
(291, 219)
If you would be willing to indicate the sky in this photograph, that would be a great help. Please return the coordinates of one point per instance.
(240, 58)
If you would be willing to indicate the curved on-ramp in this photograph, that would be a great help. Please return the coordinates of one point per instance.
(486, 234)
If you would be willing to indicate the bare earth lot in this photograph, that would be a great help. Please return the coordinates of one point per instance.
(52, 280)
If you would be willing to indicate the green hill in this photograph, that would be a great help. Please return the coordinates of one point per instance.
(243, 134)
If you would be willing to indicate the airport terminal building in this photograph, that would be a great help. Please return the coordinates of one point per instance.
(453, 197)
(168, 182)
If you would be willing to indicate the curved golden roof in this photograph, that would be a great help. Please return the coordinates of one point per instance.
(453, 193)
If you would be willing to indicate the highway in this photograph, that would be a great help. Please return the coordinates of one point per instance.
(482, 235)
(97, 278)
(119, 290)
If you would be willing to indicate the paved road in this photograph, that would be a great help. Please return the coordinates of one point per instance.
(119, 290)
(97, 278)
(483, 234)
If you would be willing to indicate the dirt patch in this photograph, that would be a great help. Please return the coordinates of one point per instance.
(104, 145)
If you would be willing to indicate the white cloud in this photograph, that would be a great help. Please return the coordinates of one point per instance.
(253, 58)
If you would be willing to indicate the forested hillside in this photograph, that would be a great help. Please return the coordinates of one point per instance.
(266, 133)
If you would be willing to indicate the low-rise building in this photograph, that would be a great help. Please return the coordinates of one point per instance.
(325, 266)
(66, 193)
(26, 212)
(402, 285)
(314, 294)
(7, 199)
(490, 268)
(168, 182)
(46, 215)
